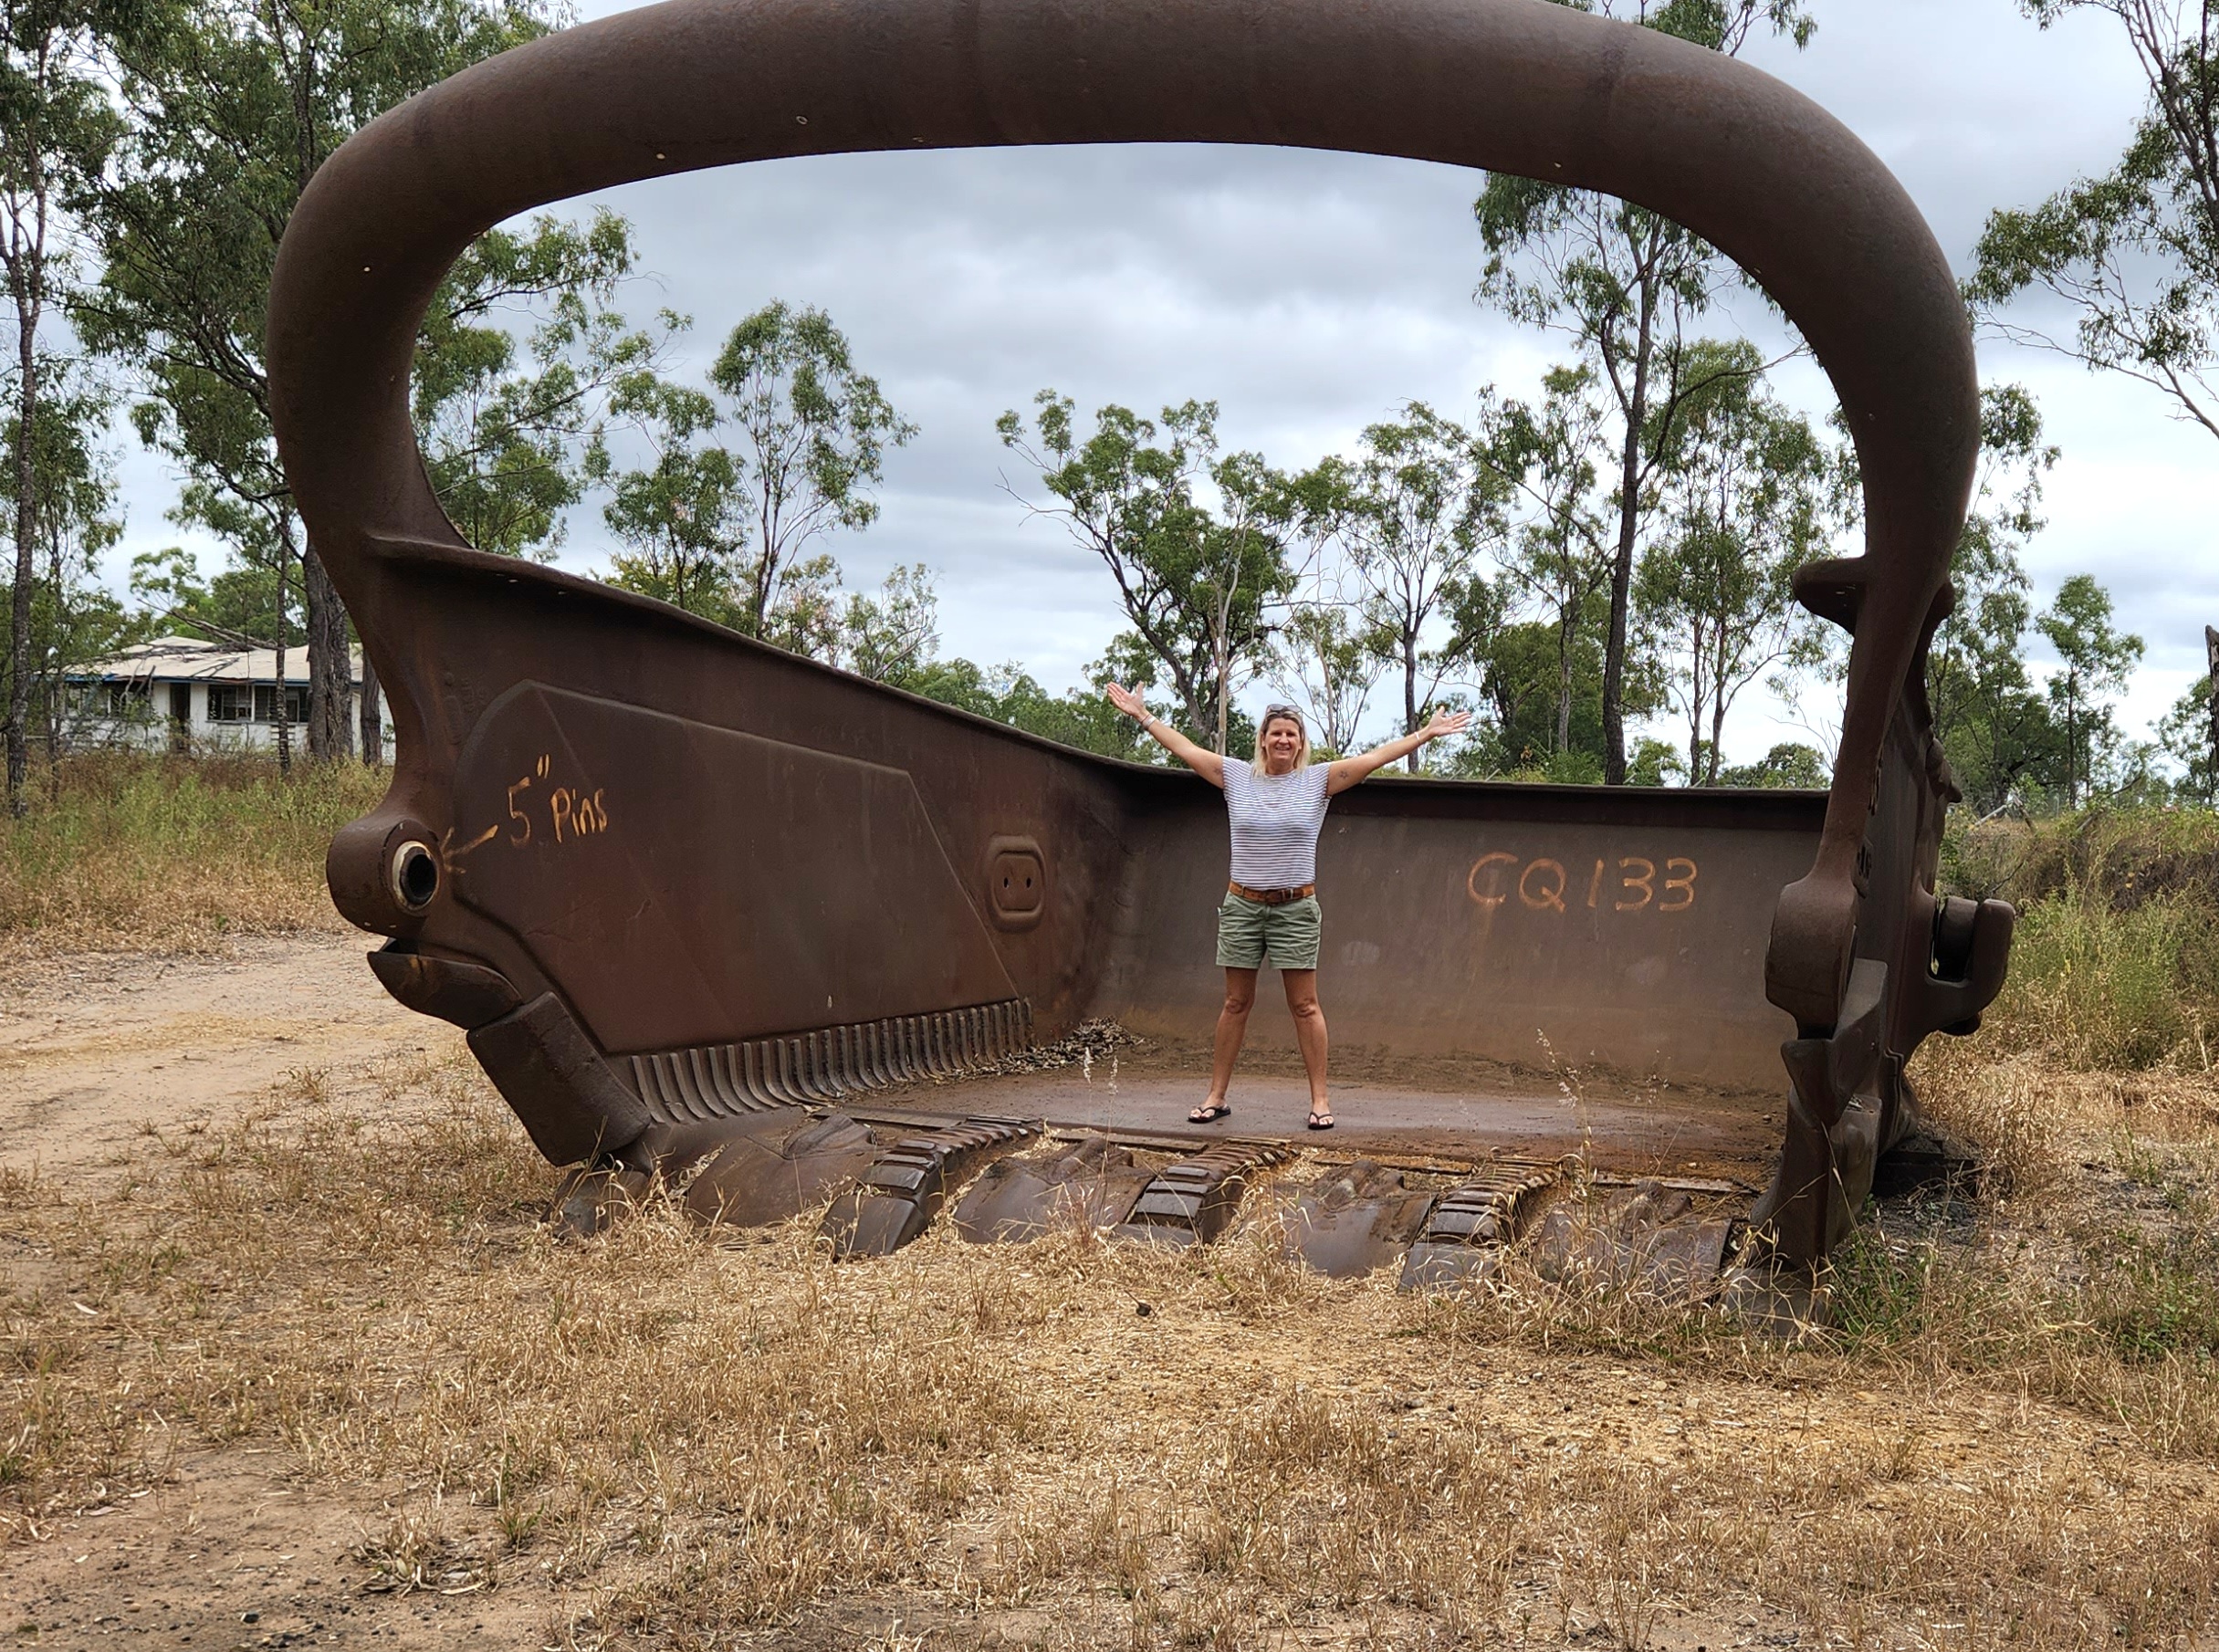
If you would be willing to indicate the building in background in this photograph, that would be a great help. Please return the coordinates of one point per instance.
(179, 694)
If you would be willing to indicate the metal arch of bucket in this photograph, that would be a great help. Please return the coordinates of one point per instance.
(685, 881)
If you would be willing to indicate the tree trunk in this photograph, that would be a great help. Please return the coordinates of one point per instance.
(285, 727)
(373, 725)
(1409, 694)
(2211, 656)
(330, 733)
(1564, 684)
(28, 306)
(1635, 407)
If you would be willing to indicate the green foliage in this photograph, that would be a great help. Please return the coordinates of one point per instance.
(720, 532)
(2152, 1300)
(233, 108)
(1993, 725)
(1746, 491)
(1413, 512)
(238, 607)
(1328, 665)
(1520, 679)
(1623, 283)
(2184, 735)
(1196, 580)
(1789, 764)
(1655, 763)
(506, 442)
(815, 431)
(71, 618)
(2116, 961)
(1081, 718)
(1560, 557)
(2093, 662)
(2134, 252)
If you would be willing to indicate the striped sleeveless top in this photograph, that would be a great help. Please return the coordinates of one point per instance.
(1276, 821)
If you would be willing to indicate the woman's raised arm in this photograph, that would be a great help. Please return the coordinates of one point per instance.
(1350, 772)
(1203, 761)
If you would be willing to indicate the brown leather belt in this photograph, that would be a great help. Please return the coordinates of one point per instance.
(1272, 897)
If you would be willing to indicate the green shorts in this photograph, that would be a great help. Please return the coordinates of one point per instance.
(1248, 932)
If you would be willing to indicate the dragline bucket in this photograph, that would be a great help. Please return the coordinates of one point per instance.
(694, 896)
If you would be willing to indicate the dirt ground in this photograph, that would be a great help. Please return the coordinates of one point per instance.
(100, 1054)
(1248, 1433)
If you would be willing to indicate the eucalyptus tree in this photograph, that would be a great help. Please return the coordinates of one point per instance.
(1746, 492)
(2134, 252)
(1414, 512)
(55, 129)
(1994, 727)
(812, 431)
(1624, 283)
(1328, 665)
(1198, 582)
(685, 518)
(1559, 558)
(2094, 659)
(230, 106)
(73, 620)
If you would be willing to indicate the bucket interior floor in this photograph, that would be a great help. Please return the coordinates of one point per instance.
(1386, 1109)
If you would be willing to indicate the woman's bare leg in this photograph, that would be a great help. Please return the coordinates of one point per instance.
(1309, 1032)
(1232, 1028)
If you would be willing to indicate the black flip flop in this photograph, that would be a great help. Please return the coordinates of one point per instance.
(1319, 1121)
(1208, 1115)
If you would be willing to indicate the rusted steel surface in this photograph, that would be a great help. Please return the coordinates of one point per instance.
(1650, 1238)
(1468, 1227)
(666, 877)
(1095, 1184)
(1355, 1218)
(897, 1197)
(1193, 1200)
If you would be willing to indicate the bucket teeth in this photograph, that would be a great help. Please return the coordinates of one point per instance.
(1468, 1227)
(1194, 1201)
(898, 1196)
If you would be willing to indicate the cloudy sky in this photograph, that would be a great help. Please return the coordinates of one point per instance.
(1311, 293)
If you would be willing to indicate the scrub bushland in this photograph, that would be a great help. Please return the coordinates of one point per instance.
(124, 852)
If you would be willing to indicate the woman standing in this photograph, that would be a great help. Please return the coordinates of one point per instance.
(1277, 805)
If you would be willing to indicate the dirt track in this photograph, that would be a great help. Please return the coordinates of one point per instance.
(96, 1049)
(101, 1054)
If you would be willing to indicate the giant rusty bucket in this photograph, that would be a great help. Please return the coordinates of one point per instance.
(687, 891)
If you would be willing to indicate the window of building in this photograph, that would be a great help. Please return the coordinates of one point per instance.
(228, 703)
(296, 703)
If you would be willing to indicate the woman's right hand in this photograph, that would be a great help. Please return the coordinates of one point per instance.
(1129, 703)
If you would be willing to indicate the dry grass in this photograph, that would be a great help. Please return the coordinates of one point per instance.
(165, 854)
(2116, 963)
(671, 1439)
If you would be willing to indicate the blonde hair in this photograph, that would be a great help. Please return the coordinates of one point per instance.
(1283, 714)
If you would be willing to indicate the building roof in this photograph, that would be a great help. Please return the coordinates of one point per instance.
(191, 660)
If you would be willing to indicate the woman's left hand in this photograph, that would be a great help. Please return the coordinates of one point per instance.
(1444, 724)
